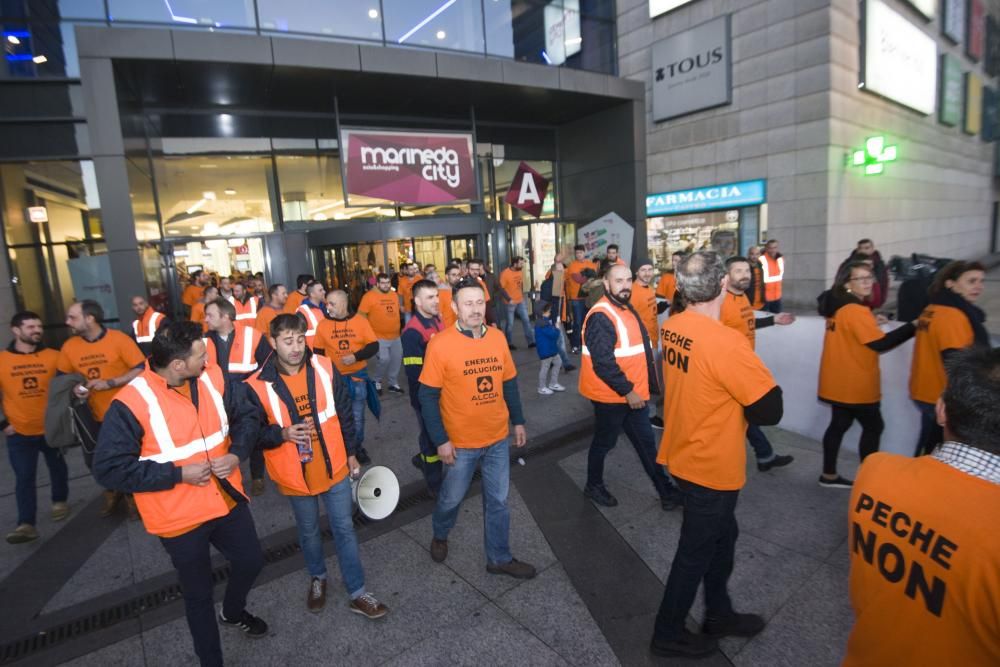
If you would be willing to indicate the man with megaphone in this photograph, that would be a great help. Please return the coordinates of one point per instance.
(309, 449)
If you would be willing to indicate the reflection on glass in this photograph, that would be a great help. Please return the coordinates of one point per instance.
(214, 14)
(81, 9)
(498, 18)
(220, 257)
(50, 202)
(214, 195)
(339, 18)
(441, 24)
(140, 191)
(710, 230)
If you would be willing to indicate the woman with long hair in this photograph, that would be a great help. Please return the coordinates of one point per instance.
(950, 322)
(849, 377)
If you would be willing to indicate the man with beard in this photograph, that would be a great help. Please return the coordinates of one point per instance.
(245, 305)
(147, 321)
(381, 307)
(26, 368)
(452, 275)
(618, 376)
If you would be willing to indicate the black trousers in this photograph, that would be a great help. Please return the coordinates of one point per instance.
(235, 537)
(843, 415)
(705, 552)
(257, 465)
(610, 419)
(931, 434)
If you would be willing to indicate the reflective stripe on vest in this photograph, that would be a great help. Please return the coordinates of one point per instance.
(310, 318)
(153, 320)
(247, 364)
(326, 382)
(169, 451)
(624, 349)
(765, 265)
(246, 315)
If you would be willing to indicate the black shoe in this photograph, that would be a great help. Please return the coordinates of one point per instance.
(531, 345)
(417, 463)
(657, 422)
(248, 623)
(569, 368)
(362, 456)
(395, 389)
(671, 502)
(688, 645)
(512, 347)
(735, 625)
(600, 495)
(776, 462)
(838, 483)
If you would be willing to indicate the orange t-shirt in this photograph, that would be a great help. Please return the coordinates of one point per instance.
(264, 316)
(315, 471)
(406, 290)
(925, 565)
(111, 355)
(338, 339)
(939, 328)
(198, 315)
(24, 385)
(470, 373)
(512, 282)
(295, 299)
(644, 301)
(448, 316)
(737, 313)
(191, 295)
(576, 266)
(667, 285)
(382, 310)
(848, 371)
(710, 374)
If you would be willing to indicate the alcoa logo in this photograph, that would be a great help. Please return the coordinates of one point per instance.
(437, 164)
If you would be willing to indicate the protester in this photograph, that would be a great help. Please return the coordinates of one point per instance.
(195, 290)
(277, 296)
(612, 257)
(618, 377)
(703, 446)
(865, 251)
(189, 497)
(923, 539)
(849, 378)
(512, 294)
(313, 309)
(755, 291)
(575, 279)
(452, 274)
(211, 293)
(951, 322)
(26, 368)
(547, 337)
(245, 304)
(467, 416)
(309, 446)
(772, 264)
(382, 308)
(668, 283)
(296, 298)
(146, 323)
(410, 274)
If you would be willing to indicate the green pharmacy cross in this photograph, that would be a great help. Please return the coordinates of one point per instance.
(874, 156)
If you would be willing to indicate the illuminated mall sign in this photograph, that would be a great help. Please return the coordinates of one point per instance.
(729, 195)
(409, 167)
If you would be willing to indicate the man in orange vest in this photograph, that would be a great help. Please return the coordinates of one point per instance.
(772, 264)
(704, 446)
(617, 375)
(309, 447)
(923, 539)
(313, 309)
(277, 298)
(613, 257)
(146, 323)
(245, 304)
(175, 436)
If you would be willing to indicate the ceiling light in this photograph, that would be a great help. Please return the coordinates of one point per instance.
(319, 217)
(209, 195)
(229, 191)
(208, 166)
(173, 231)
(194, 207)
(441, 34)
(38, 60)
(13, 39)
(373, 13)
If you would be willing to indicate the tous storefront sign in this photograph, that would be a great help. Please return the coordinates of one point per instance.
(691, 70)
(409, 167)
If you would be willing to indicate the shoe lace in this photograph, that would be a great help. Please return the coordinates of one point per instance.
(367, 600)
(317, 588)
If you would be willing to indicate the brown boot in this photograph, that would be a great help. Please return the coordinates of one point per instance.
(111, 500)
(133, 511)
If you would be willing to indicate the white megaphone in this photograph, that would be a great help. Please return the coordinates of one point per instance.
(376, 493)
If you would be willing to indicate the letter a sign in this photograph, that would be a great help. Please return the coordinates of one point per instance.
(527, 190)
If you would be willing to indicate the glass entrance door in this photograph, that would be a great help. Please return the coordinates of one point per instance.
(351, 268)
(462, 248)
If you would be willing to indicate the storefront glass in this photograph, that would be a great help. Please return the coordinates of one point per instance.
(219, 257)
(336, 18)
(212, 14)
(456, 24)
(709, 230)
(538, 243)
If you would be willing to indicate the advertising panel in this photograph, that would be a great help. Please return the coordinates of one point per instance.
(950, 101)
(953, 20)
(409, 167)
(608, 229)
(527, 190)
(692, 70)
(562, 31)
(91, 277)
(991, 114)
(899, 60)
(973, 103)
(728, 195)
(975, 27)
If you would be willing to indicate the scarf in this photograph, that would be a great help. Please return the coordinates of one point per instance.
(974, 313)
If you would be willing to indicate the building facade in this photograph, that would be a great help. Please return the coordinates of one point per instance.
(810, 82)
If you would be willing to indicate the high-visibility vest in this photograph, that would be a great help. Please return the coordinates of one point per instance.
(241, 351)
(283, 464)
(773, 271)
(630, 354)
(313, 317)
(244, 311)
(189, 435)
(145, 327)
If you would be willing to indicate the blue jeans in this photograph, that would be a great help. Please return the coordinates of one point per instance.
(761, 445)
(359, 401)
(521, 311)
(496, 482)
(23, 451)
(931, 434)
(579, 309)
(339, 509)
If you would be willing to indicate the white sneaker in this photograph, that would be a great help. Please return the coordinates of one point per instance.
(545, 391)
(557, 387)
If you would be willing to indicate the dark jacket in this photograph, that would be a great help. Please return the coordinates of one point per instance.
(975, 314)
(59, 408)
(260, 354)
(414, 348)
(546, 338)
(600, 338)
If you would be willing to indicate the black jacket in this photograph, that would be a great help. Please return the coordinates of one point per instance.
(600, 338)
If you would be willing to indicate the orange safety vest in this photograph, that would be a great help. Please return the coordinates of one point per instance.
(630, 354)
(145, 327)
(283, 464)
(244, 311)
(774, 272)
(190, 435)
(313, 317)
(241, 352)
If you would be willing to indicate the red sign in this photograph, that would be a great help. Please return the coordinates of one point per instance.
(976, 28)
(527, 190)
(409, 167)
